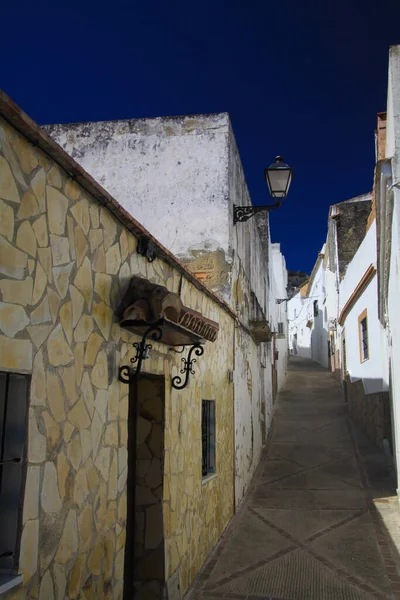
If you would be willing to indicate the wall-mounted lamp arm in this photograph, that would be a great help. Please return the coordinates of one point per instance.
(244, 213)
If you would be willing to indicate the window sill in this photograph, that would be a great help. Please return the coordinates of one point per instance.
(208, 478)
(7, 582)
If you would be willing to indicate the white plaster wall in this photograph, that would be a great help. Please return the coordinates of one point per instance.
(248, 410)
(393, 302)
(171, 174)
(332, 293)
(363, 258)
(300, 307)
(319, 330)
(393, 329)
(374, 371)
(278, 312)
(247, 247)
(252, 377)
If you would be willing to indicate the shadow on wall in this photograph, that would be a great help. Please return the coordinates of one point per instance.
(372, 411)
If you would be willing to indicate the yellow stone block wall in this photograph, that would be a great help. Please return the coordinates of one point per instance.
(65, 262)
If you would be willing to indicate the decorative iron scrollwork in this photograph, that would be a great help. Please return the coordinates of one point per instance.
(127, 373)
(174, 349)
(244, 213)
(187, 368)
(147, 248)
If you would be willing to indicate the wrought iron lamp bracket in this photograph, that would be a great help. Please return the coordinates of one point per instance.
(127, 373)
(187, 368)
(244, 213)
(280, 300)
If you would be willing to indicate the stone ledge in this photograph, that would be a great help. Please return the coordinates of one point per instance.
(7, 582)
(209, 478)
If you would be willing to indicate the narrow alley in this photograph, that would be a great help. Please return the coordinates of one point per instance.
(315, 523)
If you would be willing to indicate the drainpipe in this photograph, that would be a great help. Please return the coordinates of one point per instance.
(385, 181)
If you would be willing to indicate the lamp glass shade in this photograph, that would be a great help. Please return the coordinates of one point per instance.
(278, 177)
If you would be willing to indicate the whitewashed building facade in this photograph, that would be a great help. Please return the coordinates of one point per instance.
(356, 285)
(387, 195)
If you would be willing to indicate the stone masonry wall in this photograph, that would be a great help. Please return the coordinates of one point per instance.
(65, 263)
(351, 231)
(372, 411)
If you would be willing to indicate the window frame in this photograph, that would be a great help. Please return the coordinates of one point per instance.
(210, 420)
(363, 317)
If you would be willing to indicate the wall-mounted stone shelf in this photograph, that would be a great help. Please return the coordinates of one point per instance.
(173, 334)
(260, 331)
(146, 303)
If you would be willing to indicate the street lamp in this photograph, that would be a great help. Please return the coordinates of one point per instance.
(278, 177)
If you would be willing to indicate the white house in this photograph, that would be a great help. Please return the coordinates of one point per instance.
(180, 177)
(317, 312)
(308, 322)
(361, 339)
(278, 312)
(387, 196)
(332, 283)
(298, 323)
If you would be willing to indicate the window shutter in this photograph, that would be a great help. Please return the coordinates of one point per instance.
(204, 437)
(13, 408)
(212, 436)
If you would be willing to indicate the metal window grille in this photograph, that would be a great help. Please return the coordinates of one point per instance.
(208, 437)
(14, 390)
(364, 338)
(280, 327)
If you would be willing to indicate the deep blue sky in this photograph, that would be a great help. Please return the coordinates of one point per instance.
(301, 78)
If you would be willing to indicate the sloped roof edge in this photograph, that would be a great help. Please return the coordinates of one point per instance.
(12, 113)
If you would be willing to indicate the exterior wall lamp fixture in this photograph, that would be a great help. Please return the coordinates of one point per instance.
(278, 177)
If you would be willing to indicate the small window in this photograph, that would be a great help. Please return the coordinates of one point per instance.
(14, 390)
(363, 336)
(316, 308)
(295, 313)
(208, 437)
(280, 327)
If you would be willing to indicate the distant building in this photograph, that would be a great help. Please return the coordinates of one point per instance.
(307, 316)
(352, 301)
(295, 280)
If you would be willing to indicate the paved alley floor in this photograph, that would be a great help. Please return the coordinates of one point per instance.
(320, 521)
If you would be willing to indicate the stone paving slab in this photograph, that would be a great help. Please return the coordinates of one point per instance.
(321, 521)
